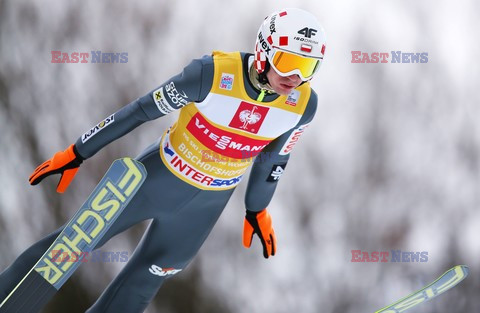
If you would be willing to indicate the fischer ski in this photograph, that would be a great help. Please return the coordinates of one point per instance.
(80, 235)
(448, 280)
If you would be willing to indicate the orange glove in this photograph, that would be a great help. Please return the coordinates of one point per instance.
(64, 162)
(260, 223)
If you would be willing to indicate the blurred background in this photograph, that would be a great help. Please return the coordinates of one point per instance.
(391, 161)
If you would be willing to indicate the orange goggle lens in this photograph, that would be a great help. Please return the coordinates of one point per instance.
(286, 63)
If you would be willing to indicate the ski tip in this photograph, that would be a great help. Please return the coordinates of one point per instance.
(448, 280)
(135, 161)
(463, 268)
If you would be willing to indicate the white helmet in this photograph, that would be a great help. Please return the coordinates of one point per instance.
(293, 42)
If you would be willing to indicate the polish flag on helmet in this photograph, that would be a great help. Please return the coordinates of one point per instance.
(306, 48)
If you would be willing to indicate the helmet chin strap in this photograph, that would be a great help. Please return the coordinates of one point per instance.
(260, 81)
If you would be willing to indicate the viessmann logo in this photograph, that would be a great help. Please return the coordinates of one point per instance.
(221, 141)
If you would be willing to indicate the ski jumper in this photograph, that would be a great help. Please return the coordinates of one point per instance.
(193, 168)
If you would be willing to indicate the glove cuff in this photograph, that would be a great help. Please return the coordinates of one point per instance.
(77, 154)
(74, 158)
(253, 213)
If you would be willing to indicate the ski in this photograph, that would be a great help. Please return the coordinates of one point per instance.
(449, 279)
(80, 235)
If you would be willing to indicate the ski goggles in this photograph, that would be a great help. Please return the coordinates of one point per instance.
(286, 64)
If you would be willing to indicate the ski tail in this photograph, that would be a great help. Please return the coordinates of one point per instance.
(82, 234)
(449, 279)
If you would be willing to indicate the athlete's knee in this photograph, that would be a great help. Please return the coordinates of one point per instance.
(132, 291)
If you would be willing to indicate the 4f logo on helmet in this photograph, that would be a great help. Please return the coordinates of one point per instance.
(307, 32)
